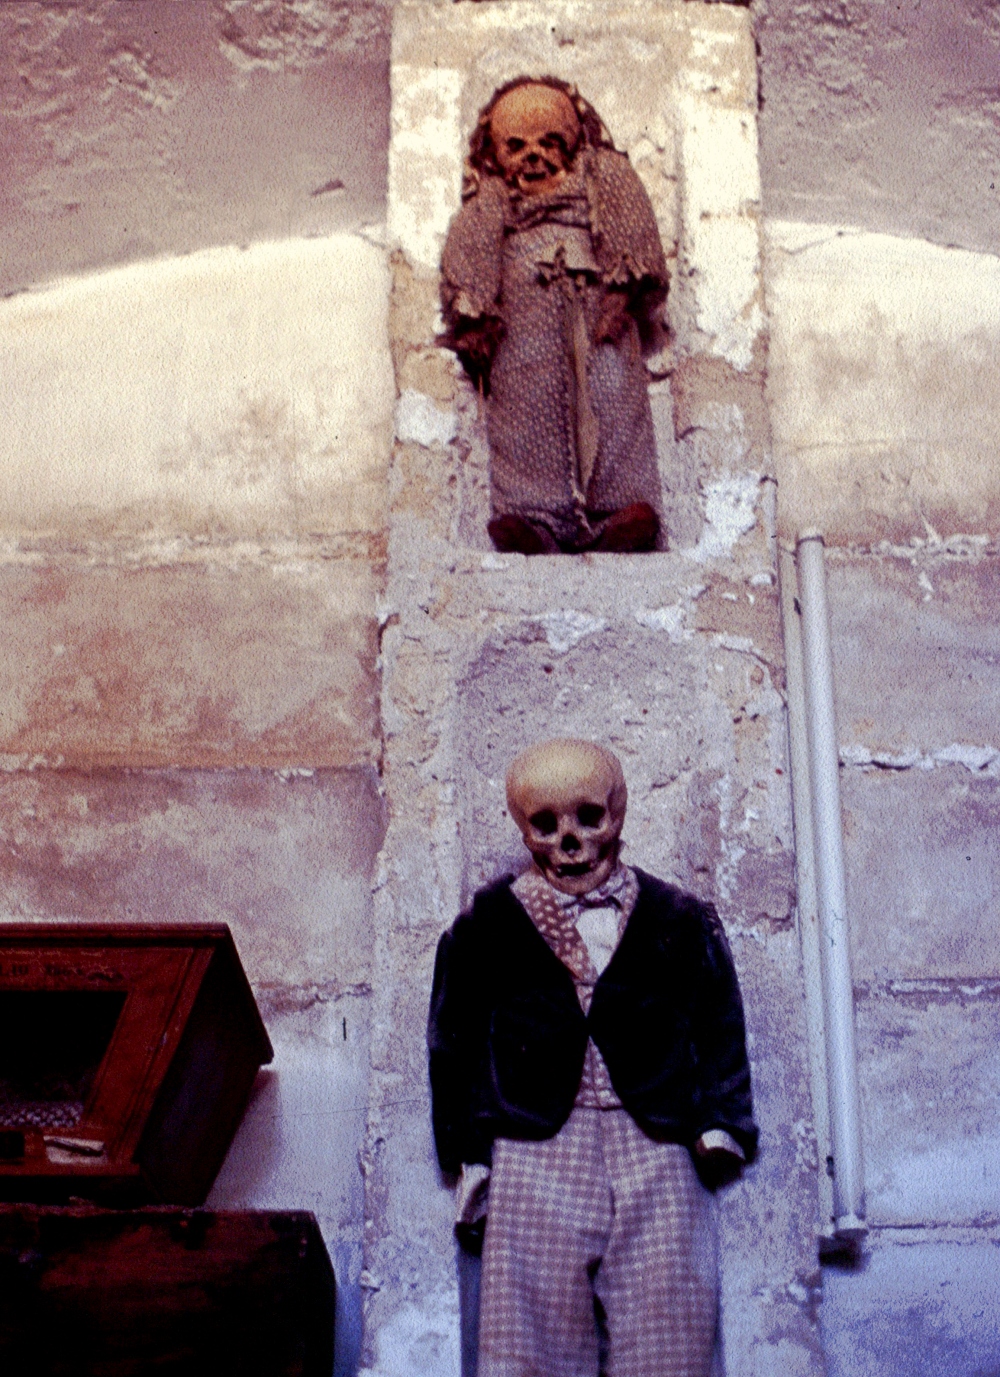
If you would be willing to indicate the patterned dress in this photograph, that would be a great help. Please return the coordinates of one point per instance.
(569, 423)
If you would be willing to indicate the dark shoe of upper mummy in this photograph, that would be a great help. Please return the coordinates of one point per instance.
(633, 530)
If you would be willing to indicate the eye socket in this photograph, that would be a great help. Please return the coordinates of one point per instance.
(514, 145)
(552, 141)
(589, 814)
(544, 821)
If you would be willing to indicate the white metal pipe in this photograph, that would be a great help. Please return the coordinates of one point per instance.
(806, 902)
(824, 790)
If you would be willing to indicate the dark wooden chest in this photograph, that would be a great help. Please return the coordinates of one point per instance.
(86, 1292)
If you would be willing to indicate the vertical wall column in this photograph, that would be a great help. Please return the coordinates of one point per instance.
(673, 659)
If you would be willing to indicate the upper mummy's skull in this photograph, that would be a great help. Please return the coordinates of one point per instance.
(568, 798)
(535, 132)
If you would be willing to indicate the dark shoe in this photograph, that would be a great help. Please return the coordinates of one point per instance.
(512, 535)
(633, 530)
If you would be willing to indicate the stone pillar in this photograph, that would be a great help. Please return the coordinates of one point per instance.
(674, 659)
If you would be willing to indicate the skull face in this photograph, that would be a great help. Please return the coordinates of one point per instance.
(568, 798)
(535, 132)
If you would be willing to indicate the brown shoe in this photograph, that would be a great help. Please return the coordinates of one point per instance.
(512, 535)
(633, 530)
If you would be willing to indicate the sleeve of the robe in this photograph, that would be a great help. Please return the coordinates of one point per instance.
(627, 238)
(473, 253)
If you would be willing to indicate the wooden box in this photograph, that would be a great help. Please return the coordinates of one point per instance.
(181, 1293)
(127, 1054)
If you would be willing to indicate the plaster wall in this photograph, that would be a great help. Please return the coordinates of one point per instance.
(883, 117)
(883, 409)
(883, 384)
(880, 161)
(924, 940)
(196, 406)
(229, 393)
(132, 132)
(919, 795)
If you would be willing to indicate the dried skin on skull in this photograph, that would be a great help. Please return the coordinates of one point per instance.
(535, 133)
(568, 798)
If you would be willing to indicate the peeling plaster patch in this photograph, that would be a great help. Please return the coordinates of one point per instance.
(722, 236)
(978, 759)
(18, 764)
(730, 511)
(132, 73)
(418, 1341)
(726, 254)
(419, 421)
(959, 546)
(884, 760)
(919, 993)
(806, 1147)
(289, 35)
(972, 757)
(567, 628)
(425, 159)
(668, 619)
(721, 176)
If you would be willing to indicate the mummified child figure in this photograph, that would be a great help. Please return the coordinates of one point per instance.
(587, 1045)
(553, 277)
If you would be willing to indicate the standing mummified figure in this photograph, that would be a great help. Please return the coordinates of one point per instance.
(588, 1065)
(553, 277)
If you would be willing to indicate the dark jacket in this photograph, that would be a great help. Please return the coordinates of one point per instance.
(507, 1035)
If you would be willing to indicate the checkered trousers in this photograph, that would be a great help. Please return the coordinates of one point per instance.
(600, 1256)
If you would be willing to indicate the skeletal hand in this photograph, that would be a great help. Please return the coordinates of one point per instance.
(476, 342)
(613, 320)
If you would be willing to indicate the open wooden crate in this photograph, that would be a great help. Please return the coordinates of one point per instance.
(127, 1055)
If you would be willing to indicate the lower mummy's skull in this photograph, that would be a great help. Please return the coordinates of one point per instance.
(568, 798)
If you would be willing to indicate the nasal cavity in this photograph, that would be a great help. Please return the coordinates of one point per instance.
(569, 844)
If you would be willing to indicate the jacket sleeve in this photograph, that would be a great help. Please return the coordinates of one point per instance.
(720, 1039)
(456, 1041)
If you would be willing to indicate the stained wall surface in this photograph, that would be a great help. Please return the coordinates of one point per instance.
(196, 404)
(880, 158)
(883, 117)
(136, 131)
